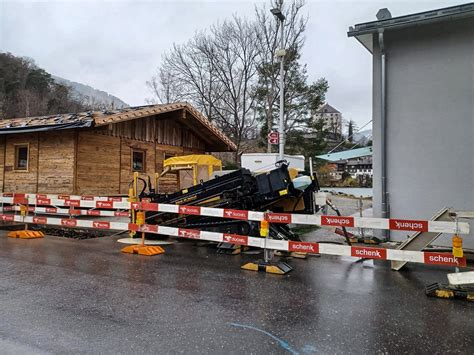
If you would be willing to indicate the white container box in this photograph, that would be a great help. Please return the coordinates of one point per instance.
(259, 162)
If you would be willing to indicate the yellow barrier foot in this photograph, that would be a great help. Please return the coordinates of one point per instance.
(230, 249)
(148, 250)
(279, 268)
(26, 234)
(373, 240)
(293, 254)
(448, 291)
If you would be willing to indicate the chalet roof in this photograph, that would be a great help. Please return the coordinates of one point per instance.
(198, 121)
(326, 108)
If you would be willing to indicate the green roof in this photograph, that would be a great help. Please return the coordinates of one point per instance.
(347, 154)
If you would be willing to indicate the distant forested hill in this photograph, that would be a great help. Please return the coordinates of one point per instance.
(90, 95)
(27, 90)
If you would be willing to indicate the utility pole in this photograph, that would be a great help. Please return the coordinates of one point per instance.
(281, 53)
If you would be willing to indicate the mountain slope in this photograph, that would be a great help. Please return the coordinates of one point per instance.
(91, 96)
(363, 136)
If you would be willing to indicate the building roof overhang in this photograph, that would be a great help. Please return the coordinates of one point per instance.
(363, 32)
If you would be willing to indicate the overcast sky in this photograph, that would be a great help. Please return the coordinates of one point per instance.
(116, 46)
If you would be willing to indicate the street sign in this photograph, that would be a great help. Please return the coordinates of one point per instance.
(273, 137)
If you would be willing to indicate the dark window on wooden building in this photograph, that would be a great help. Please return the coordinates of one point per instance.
(21, 157)
(138, 160)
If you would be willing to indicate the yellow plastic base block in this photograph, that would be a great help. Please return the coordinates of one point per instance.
(298, 255)
(279, 268)
(293, 254)
(148, 250)
(26, 234)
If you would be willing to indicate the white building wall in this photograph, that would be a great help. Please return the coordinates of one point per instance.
(430, 121)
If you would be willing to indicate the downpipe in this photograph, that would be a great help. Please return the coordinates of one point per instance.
(383, 127)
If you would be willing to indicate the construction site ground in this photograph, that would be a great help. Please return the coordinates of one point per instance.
(60, 295)
(348, 206)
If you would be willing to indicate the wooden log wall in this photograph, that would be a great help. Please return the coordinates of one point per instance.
(98, 164)
(113, 173)
(50, 163)
(96, 161)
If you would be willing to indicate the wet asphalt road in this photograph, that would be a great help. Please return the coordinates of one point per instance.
(82, 296)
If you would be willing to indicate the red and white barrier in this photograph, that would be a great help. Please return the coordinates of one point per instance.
(65, 197)
(283, 245)
(69, 211)
(318, 220)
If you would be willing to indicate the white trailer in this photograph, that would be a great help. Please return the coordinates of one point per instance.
(258, 162)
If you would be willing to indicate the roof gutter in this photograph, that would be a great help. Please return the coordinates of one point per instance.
(422, 18)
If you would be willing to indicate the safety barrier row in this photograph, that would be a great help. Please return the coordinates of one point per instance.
(65, 197)
(445, 259)
(317, 220)
(68, 211)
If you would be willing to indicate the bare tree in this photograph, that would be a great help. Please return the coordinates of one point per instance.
(166, 87)
(230, 74)
(215, 71)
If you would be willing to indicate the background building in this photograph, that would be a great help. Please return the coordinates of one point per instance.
(356, 163)
(332, 119)
(423, 91)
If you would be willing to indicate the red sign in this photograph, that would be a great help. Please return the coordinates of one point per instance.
(189, 233)
(136, 205)
(63, 197)
(236, 214)
(87, 198)
(73, 203)
(408, 225)
(190, 210)
(68, 222)
(337, 221)
(51, 210)
(75, 212)
(41, 196)
(278, 217)
(40, 220)
(43, 201)
(303, 247)
(133, 227)
(121, 214)
(149, 206)
(93, 213)
(152, 228)
(443, 259)
(104, 204)
(20, 200)
(101, 225)
(114, 199)
(8, 217)
(369, 253)
(235, 239)
(273, 137)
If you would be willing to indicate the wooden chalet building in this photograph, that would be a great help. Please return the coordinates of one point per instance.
(97, 152)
